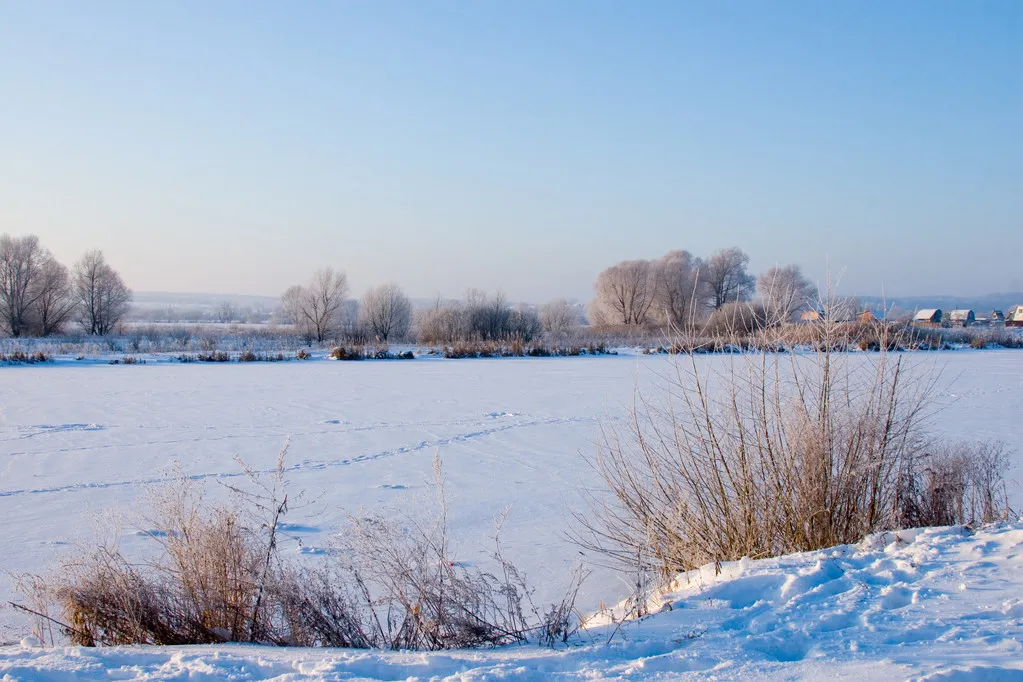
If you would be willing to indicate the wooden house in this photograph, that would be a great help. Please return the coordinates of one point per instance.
(1014, 318)
(961, 318)
(928, 317)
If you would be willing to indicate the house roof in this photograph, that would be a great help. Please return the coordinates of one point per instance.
(960, 314)
(926, 314)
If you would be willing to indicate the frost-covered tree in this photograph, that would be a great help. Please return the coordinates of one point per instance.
(558, 318)
(726, 278)
(317, 309)
(55, 301)
(678, 288)
(227, 312)
(102, 296)
(21, 261)
(624, 294)
(785, 292)
(386, 313)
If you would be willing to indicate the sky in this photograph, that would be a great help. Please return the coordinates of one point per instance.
(236, 147)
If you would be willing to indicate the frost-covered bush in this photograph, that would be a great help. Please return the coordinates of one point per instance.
(219, 576)
(768, 454)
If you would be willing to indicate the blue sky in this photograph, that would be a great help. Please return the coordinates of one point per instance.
(234, 147)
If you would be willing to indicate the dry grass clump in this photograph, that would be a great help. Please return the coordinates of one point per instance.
(519, 349)
(762, 454)
(219, 576)
(22, 358)
(955, 483)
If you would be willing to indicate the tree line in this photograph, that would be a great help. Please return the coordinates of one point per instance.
(679, 290)
(40, 296)
(320, 310)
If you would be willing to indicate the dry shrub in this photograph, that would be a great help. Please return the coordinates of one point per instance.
(736, 319)
(202, 588)
(22, 358)
(955, 483)
(423, 599)
(348, 353)
(219, 577)
(759, 455)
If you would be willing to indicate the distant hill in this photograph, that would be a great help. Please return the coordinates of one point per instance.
(162, 299)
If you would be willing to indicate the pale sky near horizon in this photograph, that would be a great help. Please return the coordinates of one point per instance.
(234, 147)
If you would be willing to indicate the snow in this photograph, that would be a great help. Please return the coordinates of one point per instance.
(80, 443)
(936, 604)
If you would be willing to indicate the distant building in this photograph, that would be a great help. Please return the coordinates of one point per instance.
(1014, 318)
(961, 318)
(811, 316)
(996, 317)
(928, 317)
(866, 317)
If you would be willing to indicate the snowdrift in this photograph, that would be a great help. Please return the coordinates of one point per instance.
(929, 604)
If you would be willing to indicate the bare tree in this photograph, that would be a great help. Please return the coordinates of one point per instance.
(101, 293)
(317, 309)
(227, 312)
(488, 317)
(443, 322)
(523, 323)
(678, 288)
(624, 293)
(55, 300)
(558, 318)
(785, 292)
(20, 262)
(727, 279)
(386, 312)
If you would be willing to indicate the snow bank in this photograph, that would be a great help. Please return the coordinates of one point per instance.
(937, 604)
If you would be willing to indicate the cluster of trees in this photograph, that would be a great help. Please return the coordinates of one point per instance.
(480, 317)
(39, 296)
(681, 289)
(321, 311)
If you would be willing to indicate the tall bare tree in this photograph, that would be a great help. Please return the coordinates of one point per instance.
(624, 293)
(20, 263)
(55, 301)
(102, 295)
(317, 309)
(726, 277)
(785, 292)
(386, 312)
(678, 288)
(558, 318)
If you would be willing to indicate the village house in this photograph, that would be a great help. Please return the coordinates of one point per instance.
(1014, 318)
(961, 318)
(928, 317)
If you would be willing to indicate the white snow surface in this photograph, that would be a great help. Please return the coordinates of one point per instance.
(935, 604)
(81, 443)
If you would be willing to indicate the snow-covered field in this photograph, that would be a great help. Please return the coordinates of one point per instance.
(81, 443)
